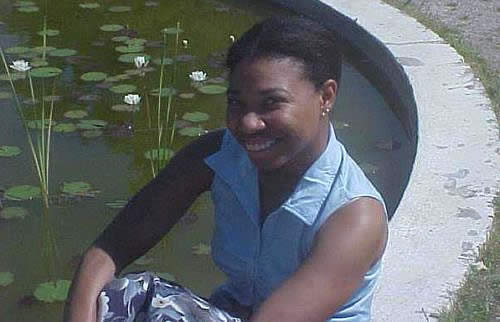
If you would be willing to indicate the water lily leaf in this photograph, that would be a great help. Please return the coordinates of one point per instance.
(172, 30)
(76, 114)
(129, 58)
(45, 72)
(195, 116)
(52, 98)
(186, 95)
(91, 124)
(151, 4)
(90, 134)
(129, 49)
(28, 9)
(94, 76)
(133, 72)
(113, 27)
(14, 76)
(13, 213)
(17, 50)
(166, 91)
(6, 278)
(125, 108)
(38, 124)
(52, 291)
(213, 89)
(9, 151)
(89, 5)
(39, 63)
(119, 8)
(23, 3)
(75, 188)
(48, 32)
(5, 95)
(123, 88)
(136, 41)
(64, 128)
(40, 49)
(191, 131)
(22, 192)
(63, 52)
(166, 61)
(162, 154)
(120, 38)
(116, 204)
(201, 249)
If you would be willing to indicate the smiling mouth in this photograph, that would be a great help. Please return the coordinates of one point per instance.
(259, 147)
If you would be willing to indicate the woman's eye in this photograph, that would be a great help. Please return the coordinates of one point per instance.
(269, 102)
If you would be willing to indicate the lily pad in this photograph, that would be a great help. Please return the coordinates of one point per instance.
(213, 89)
(162, 154)
(129, 58)
(43, 72)
(120, 38)
(22, 3)
(40, 49)
(17, 50)
(49, 32)
(94, 76)
(39, 63)
(38, 124)
(186, 95)
(166, 91)
(28, 9)
(9, 151)
(116, 204)
(195, 117)
(191, 131)
(75, 188)
(52, 98)
(6, 278)
(125, 108)
(90, 134)
(112, 27)
(14, 76)
(136, 41)
(91, 124)
(123, 88)
(172, 30)
(166, 61)
(130, 49)
(64, 128)
(63, 52)
(13, 213)
(22, 192)
(89, 5)
(119, 8)
(201, 249)
(76, 114)
(5, 95)
(52, 291)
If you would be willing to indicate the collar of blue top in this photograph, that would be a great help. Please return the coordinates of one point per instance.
(233, 166)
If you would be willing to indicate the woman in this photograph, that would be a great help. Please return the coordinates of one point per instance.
(299, 229)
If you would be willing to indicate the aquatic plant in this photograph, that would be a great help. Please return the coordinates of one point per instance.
(132, 99)
(198, 76)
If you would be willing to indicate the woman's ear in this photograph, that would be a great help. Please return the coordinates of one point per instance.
(329, 93)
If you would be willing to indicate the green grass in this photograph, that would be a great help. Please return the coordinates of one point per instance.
(478, 297)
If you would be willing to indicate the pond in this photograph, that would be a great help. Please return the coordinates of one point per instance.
(102, 141)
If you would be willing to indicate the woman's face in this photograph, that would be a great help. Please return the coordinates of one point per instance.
(275, 113)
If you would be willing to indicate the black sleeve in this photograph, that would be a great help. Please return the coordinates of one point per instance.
(161, 203)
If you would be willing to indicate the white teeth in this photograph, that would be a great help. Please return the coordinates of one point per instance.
(259, 147)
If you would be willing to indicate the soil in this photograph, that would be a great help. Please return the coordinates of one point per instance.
(477, 21)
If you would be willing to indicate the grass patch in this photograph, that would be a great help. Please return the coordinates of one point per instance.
(478, 297)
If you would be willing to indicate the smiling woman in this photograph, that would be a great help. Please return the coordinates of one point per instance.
(299, 229)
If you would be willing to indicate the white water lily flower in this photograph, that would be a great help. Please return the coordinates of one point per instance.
(198, 76)
(140, 61)
(232, 38)
(20, 65)
(132, 99)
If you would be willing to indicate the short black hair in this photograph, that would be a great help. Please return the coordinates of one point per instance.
(296, 37)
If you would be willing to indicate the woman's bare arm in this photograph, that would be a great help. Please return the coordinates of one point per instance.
(141, 224)
(346, 246)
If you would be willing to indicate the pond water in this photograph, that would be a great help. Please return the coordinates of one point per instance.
(112, 160)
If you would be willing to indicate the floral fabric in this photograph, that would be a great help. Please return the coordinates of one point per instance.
(145, 297)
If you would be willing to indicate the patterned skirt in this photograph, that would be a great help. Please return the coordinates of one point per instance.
(146, 297)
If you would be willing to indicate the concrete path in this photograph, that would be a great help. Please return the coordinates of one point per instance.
(445, 212)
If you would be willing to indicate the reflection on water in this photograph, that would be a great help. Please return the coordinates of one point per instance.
(114, 162)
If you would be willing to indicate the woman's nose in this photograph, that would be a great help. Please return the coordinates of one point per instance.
(251, 122)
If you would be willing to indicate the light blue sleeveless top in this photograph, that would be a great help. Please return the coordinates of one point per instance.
(257, 259)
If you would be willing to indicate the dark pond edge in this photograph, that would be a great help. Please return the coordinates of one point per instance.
(376, 62)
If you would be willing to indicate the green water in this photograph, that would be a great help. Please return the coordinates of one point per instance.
(114, 163)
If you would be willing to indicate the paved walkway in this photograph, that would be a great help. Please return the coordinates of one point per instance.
(445, 212)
